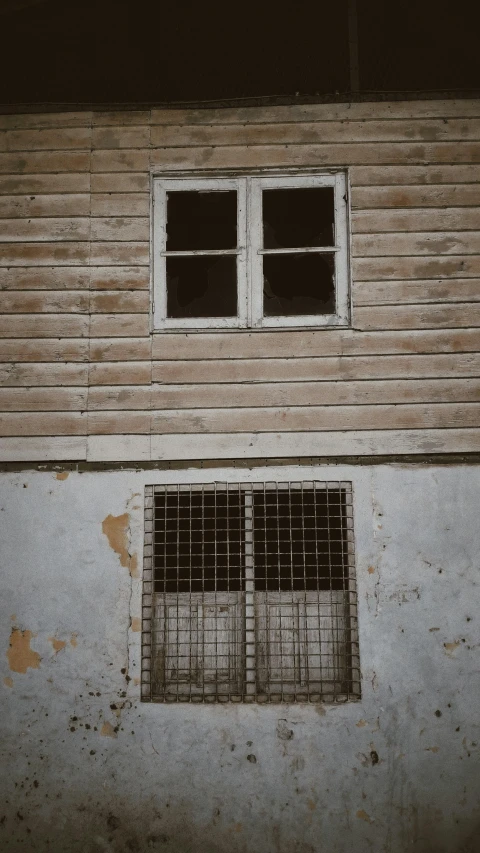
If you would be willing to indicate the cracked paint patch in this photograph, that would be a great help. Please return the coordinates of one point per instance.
(107, 730)
(116, 529)
(451, 648)
(57, 645)
(20, 656)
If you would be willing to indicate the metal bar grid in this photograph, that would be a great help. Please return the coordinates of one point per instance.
(249, 593)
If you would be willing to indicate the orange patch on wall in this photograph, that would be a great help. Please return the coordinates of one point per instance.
(20, 655)
(371, 570)
(57, 645)
(364, 816)
(115, 528)
(73, 641)
(107, 730)
(136, 624)
(8, 682)
(62, 475)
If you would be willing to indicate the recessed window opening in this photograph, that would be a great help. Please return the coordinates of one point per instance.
(250, 252)
(249, 593)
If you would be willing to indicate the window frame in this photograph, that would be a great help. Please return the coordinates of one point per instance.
(249, 250)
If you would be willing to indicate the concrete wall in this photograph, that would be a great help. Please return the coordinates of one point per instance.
(89, 768)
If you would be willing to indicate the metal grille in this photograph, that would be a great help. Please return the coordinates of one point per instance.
(249, 593)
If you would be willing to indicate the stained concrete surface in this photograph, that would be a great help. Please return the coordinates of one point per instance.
(89, 768)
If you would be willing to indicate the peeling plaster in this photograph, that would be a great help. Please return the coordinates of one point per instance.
(117, 528)
(451, 648)
(107, 730)
(136, 624)
(57, 645)
(20, 656)
(8, 682)
(62, 475)
(364, 816)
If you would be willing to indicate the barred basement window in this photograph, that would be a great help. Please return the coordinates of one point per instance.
(249, 593)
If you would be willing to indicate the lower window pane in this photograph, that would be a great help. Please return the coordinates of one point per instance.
(202, 286)
(298, 284)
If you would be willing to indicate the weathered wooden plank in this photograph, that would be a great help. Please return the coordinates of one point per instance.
(50, 183)
(44, 423)
(51, 139)
(44, 325)
(435, 219)
(121, 137)
(417, 243)
(296, 418)
(121, 228)
(120, 182)
(27, 162)
(321, 112)
(56, 448)
(252, 445)
(436, 195)
(120, 373)
(44, 229)
(113, 423)
(405, 175)
(319, 370)
(45, 301)
(124, 398)
(43, 399)
(103, 118)
(118, 448)
(333, 155)
(119, 254)
(406, 292)
(44, 278)
(54, 350)
(416, 267)
(307, 343)
(131, 349)
(82, 118)
(66, 204)
(44, 254)
(120, 302)
(18, 374)
(119, 325)
(285, 394)
(119, 278)
(120, 204)
(451, 316)
(312, 133)
(122, 160)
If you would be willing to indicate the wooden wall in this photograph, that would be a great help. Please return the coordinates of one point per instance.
(83, 378)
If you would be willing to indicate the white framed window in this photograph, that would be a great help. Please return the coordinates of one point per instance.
(257, 251)
(249, 593)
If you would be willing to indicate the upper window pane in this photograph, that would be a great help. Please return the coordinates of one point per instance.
(298, 218)
(201, 220)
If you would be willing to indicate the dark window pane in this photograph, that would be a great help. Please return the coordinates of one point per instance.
(195, 563)
(202, 286)
(298, 219)
(201, 220)
(298, 284)
(312, 555)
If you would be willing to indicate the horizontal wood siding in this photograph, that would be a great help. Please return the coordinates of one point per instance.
(81, 375)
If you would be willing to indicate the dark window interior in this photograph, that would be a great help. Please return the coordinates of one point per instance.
(202, 286)
(199, 542)
(298, 218)
(298, 284)
(201, 220)
(300, 539)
